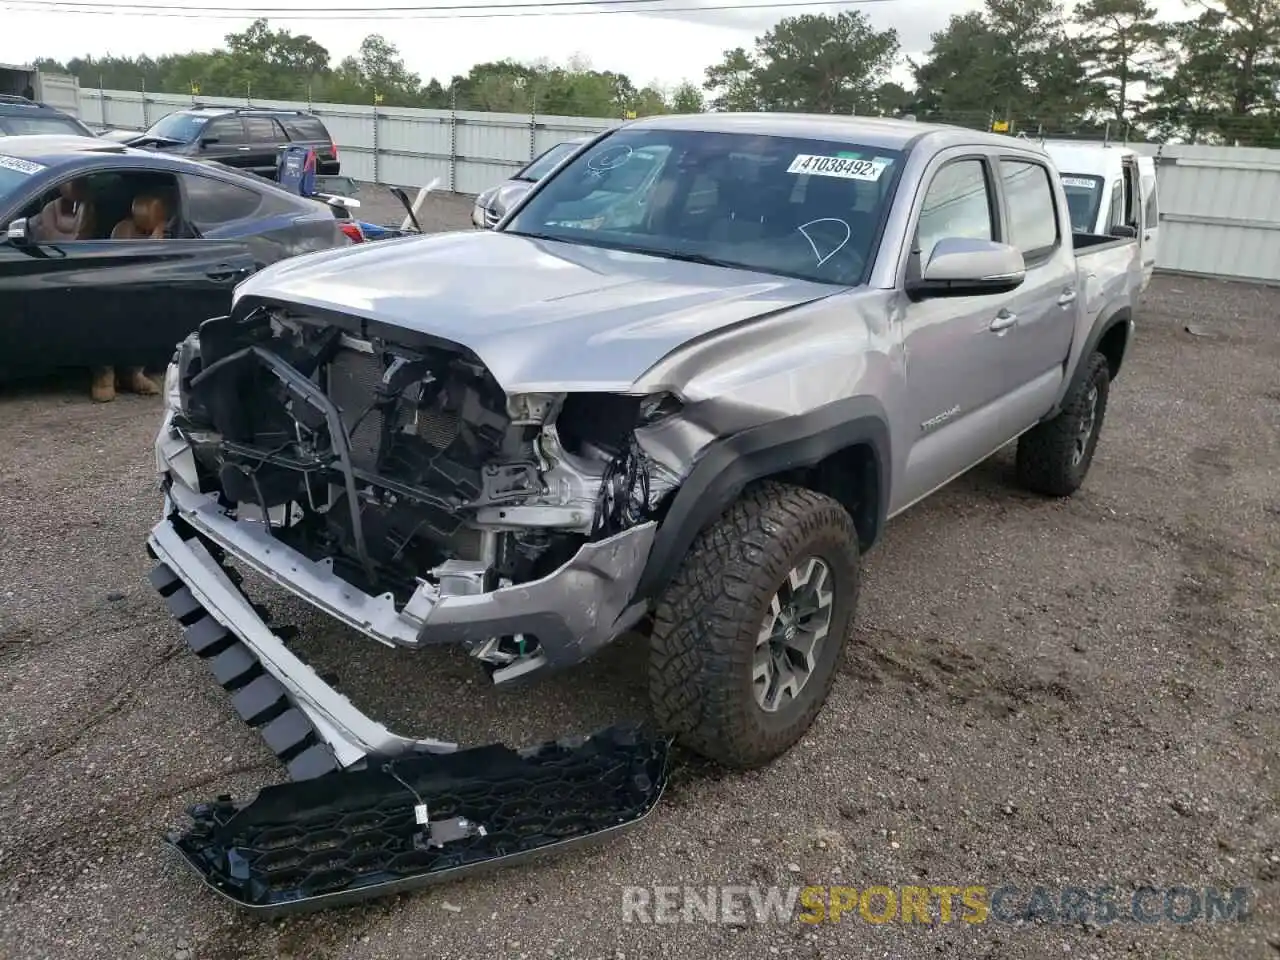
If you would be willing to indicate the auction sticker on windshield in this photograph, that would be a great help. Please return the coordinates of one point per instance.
(20, 165)
(1084, 182)
(846, 168)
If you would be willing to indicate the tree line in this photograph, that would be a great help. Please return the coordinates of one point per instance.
(1104, 66)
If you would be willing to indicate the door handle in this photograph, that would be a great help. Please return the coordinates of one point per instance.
(244, 149)
(223, 274)
(1003, 321)
(1067, 298)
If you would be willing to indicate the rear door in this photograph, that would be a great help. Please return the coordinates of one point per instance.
(109, 302)
(1044, 306)
(227, 142)
(266, 138)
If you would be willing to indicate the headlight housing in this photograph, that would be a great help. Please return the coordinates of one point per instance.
(177, 377)
(172, 389)
(658, 407)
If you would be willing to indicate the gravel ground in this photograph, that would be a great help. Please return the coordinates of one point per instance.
(1057, 693)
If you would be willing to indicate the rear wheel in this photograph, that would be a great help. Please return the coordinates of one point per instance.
(1054, 457)
(747, 636)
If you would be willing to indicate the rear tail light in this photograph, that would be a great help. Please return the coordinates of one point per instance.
(334, 148)
(353, 231)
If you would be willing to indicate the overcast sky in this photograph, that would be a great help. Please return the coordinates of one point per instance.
(648, 48)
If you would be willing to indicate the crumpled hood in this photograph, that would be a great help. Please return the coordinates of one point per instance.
(541, 315)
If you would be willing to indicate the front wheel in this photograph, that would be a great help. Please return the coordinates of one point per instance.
(1054, 457)
(746, 638)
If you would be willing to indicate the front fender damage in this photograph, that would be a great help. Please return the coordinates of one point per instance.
(394, 489)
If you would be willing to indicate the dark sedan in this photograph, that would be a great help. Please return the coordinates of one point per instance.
(111, 256)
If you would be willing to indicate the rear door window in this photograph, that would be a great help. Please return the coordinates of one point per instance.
(214, 203)
(225, 130)
(263, 130)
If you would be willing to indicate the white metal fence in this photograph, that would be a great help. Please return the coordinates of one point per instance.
(1220, 206)
(1219, 210)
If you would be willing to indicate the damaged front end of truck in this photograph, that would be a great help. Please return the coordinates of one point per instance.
(386, 478)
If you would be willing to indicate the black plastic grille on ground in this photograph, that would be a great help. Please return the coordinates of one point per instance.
(259, 699)
(352, 835)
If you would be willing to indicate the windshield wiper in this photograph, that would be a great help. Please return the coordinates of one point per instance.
(533, 236)
(690, 258)
(705, 260)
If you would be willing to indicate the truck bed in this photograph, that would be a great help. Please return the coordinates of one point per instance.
(1093, 242)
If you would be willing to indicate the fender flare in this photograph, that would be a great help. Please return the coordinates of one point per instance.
(1104, 325)
(1101, 327)
(725, 467)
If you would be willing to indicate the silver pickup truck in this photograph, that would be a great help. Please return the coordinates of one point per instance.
(685, 409)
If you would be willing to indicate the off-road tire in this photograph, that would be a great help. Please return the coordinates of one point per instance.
(1045, 459)
(707, 622)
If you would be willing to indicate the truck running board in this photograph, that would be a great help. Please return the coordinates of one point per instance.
(353, 835)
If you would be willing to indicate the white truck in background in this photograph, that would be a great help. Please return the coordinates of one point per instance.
(58, 90)
(1102, 183)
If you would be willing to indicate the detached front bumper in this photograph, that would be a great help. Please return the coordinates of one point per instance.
(308, 724)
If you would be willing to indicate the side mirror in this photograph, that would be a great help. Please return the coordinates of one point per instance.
(959, 267)
(18, 233)
(208, 141)
(1122, 231)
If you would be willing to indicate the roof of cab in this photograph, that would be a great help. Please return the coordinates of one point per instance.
(884, 132)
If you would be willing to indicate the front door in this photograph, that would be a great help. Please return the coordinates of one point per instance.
(29, 344)
(113, 302)
(955, 346)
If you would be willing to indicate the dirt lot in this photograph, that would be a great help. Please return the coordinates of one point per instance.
(1057, 693)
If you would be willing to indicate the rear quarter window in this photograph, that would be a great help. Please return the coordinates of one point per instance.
(305, 128)
(212, 203)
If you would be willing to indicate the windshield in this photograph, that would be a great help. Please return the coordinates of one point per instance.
(14, 173)
(177, 126)
(1084, 195)
(38, 126)
(540, 167)
(790, 206)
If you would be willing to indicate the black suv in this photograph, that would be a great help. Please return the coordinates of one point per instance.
(20, 117)
(250, 138)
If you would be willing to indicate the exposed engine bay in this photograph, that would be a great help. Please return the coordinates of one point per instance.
(402, 465)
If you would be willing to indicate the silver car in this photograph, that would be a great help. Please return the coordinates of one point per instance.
(492, 204)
